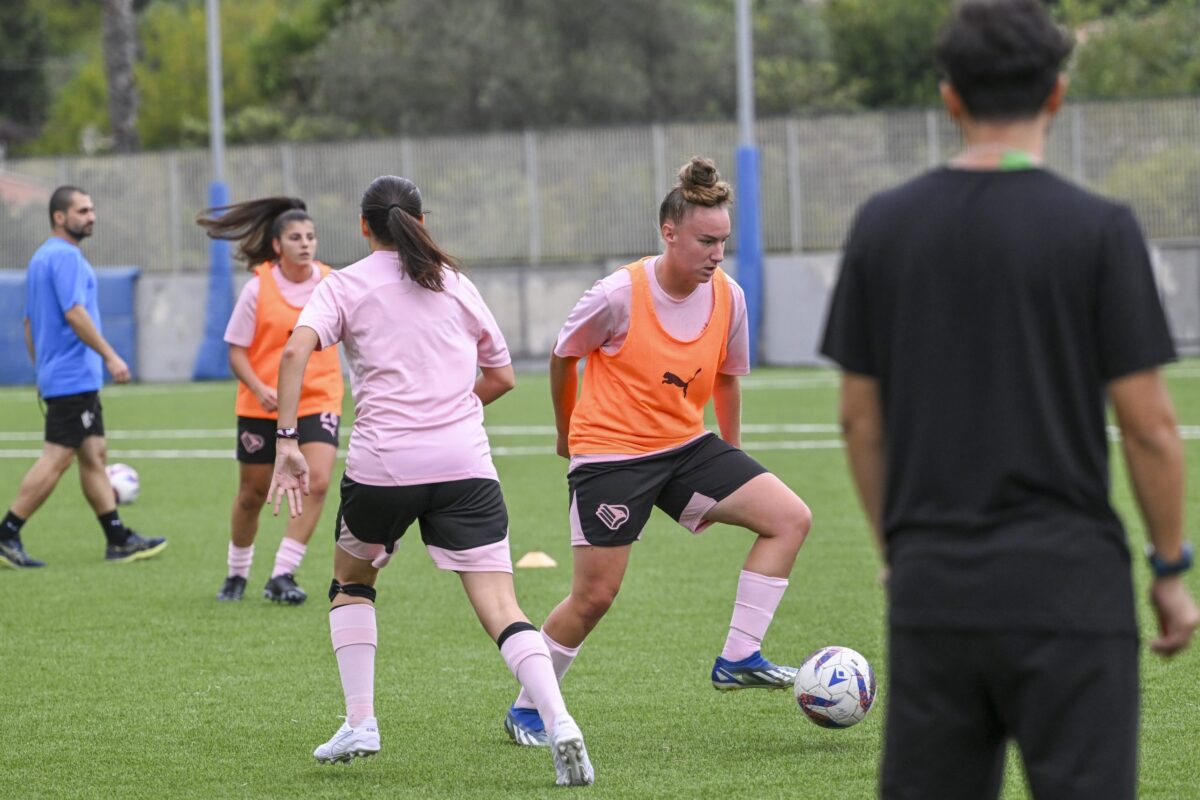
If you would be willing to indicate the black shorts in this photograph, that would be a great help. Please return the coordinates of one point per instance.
(256, 437)
(611, 501)
(453, 515)
(1070, 701)
(71, 418)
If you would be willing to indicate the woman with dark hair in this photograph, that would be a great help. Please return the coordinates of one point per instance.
(662, 336)
(425, 356)
(278, 241)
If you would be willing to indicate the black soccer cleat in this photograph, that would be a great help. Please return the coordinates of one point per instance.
(283, 589)
(13, 555)
(135, 548)
(233, 589)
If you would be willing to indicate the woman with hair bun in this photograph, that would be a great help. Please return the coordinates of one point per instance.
(662, 336)
(426, 356)
(278, 241)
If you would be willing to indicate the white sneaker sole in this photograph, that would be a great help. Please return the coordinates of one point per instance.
(572, 767)
(348, 756)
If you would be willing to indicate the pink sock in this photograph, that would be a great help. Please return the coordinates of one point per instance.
(240, 559)
(527, 656)
(288, 557)
(352, 628)
(753, 609)
(561, 657)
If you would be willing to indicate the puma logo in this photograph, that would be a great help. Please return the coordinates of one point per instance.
(675, 380)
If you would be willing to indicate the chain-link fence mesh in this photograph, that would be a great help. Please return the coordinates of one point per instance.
(592, 195)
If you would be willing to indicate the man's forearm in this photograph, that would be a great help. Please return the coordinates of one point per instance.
(81, 322)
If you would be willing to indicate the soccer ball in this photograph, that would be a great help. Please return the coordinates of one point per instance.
(125, 483)
(835, 687)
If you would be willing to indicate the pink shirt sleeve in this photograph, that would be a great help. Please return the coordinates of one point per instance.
(244, 319)
(491, 346)
(323, 313)
(737, 350)
(593, 322)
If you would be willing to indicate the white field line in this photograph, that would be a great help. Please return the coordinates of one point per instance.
(1187, 432)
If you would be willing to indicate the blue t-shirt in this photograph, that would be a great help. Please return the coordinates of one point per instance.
(60, 278)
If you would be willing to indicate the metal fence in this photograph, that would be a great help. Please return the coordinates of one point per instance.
(591, 195)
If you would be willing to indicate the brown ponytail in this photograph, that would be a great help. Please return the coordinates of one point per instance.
(255, 224)
(392, 208)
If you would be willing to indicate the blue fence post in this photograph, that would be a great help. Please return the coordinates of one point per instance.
(212, 361)
(749, 241)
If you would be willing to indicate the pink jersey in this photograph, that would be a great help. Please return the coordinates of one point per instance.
(600, 319)
(413, 357)
(240, 330)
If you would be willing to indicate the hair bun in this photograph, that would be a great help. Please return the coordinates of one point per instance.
(701, 184)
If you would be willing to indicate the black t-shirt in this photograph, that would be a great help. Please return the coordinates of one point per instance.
(993, 307)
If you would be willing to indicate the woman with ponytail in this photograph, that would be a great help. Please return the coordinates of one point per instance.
(426, 356)
(278, 241)
(662, 337)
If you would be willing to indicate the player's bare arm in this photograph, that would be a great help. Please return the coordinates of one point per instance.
(243, 370)
(291, 468)
(862, 428)
(29, 342)
(494, 382)
(727, 407)
(564, 390)
(81, 322)
(1153, 450)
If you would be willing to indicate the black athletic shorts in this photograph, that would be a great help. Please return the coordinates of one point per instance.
(256, 437)
(453, 515)
(611, 501)
(71, 418)
(955, 699)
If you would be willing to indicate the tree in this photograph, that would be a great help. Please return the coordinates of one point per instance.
(23, 49)
(886, 46)
(1148, 56)
(120, 51)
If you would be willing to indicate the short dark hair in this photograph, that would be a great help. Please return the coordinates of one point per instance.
(1003, 57)
(62, 199)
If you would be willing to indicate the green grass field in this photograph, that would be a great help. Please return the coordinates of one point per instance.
(131, 681)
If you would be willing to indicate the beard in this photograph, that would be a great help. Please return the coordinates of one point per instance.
(80, 233)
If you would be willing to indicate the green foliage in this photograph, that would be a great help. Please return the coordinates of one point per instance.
(887, 46)
(793, 62)
(24, 43)
(1148, 56)
(1154, 185)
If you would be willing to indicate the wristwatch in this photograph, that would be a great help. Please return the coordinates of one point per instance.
(287, 433)
(1165, 569)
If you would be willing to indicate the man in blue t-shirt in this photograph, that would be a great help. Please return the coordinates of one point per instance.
(62, 332)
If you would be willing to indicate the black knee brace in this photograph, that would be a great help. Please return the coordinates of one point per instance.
(352, 589)
(516, 627)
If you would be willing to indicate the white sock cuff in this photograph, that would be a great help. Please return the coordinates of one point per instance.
(763, 580)
(555, 647)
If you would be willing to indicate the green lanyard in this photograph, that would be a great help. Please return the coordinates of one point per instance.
(1012, 160)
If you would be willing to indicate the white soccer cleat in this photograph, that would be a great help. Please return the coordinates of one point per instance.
(572, 767)
(350, 743)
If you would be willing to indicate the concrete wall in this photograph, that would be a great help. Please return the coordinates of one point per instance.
(531, 303)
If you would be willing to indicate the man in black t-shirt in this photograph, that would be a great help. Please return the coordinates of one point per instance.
(983, 313)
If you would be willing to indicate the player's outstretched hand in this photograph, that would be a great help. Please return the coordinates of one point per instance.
(117, 368)
(290, 478)
(1177, 615)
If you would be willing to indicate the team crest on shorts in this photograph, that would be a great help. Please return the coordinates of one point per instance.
(87, 418)
(329, 421)
(613, 517)
(252, 442)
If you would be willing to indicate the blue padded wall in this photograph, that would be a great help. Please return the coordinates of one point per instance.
(117, 287)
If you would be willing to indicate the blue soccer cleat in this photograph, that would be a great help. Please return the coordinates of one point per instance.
(752, 672)
(525, 727)
(12, 554)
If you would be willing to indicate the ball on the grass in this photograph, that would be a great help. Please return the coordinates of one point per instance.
(125, 483)
(835, 687)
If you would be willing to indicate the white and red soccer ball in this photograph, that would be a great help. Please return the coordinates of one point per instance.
(835, 687)
(125, 483)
